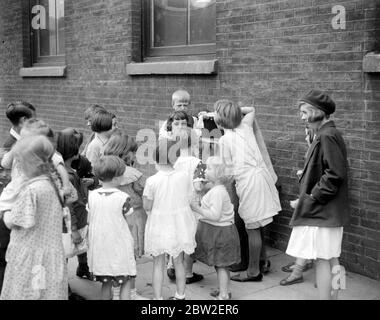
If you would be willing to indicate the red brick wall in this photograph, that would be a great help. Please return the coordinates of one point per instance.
(269, 51)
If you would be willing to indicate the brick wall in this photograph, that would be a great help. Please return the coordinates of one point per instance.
(269, 51)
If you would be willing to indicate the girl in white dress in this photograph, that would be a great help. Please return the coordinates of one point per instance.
(254, 176)
(170, 227)
(111, 249)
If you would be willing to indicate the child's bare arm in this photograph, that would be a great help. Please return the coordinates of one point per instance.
(66, 184)
(249, 115)
(147, 204)
(7, 160)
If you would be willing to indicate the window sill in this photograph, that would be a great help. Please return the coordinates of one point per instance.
(173, 67)
(371, 62)
(56, 71)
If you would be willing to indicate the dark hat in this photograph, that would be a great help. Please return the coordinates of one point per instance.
(320, 100)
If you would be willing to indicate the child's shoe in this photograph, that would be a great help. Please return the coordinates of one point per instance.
(220, 297)
(83, 271)
(178, 297)
(215, 294)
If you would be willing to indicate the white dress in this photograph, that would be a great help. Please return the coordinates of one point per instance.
(170, 227)
(111, 247)
(188, 164)
(311, 242)
(255, 187)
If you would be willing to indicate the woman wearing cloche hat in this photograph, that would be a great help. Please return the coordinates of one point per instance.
(322, 208)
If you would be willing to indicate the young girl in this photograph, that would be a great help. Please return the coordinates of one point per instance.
(217, 238)
(252, 171)
(188, 163)
(32, 127)
(133, 183)
(36, 266)
(110, 255)
(68, 142)
(102, 125)
(176, 121)
(170, 228)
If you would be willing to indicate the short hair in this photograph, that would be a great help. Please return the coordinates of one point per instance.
(181, 95)
(167, 152)
(90, 111)
(109, 167)
(317, 114)
(227, 114)
(101, 121)
(34, 154)
(19, 109)
(116, 144)
(177, 115)
(68, 143)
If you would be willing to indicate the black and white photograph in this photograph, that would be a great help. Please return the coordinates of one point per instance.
(192, 150)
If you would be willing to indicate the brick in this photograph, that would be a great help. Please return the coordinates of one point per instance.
(272, 51)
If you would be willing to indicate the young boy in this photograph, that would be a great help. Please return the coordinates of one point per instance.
(17, 113)
(180, 102)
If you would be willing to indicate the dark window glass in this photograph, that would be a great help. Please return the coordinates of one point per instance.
(48, 41)
(179, 27)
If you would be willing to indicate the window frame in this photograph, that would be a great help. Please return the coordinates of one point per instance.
(36, 59)
(172, 51)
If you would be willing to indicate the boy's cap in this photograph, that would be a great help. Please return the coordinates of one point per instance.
(320, 100)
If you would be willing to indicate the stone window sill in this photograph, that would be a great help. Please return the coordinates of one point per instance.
(371, 62)
(173, 67)
(56, 71)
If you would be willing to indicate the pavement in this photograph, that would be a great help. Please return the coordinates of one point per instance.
(358, 287)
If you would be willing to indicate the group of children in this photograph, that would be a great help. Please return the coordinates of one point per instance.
(181, 214)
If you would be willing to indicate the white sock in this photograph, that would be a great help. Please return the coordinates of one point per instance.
(177, 296)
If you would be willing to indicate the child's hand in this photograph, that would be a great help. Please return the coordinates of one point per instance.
(76, 237)
(88, 182)
(294, 203)
(195, 206)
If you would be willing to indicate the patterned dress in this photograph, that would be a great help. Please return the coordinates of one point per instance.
(36, 266)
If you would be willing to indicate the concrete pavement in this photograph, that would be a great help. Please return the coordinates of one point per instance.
(358, 287)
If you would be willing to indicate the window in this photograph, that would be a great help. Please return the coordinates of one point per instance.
(179, 27)
(47, 32)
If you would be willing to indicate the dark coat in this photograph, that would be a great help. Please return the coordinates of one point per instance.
(325, 178)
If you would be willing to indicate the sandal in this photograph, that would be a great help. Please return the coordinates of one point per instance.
(288, 281)
(240, 278)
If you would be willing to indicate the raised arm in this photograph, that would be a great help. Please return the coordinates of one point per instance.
(249, 114)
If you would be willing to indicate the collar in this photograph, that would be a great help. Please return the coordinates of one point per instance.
(326, 125)
(14, 134)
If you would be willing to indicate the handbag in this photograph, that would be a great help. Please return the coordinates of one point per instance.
(71, 249)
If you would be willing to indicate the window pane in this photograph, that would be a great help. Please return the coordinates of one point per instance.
(170, 22)
(48, 39)
(202, 21)
(61, 26)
